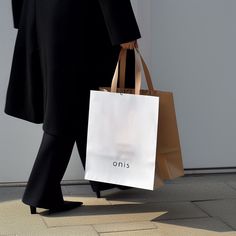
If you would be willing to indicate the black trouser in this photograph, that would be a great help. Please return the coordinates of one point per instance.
(43, 188)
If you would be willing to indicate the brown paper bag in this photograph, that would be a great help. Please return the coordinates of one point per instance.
(169, 164)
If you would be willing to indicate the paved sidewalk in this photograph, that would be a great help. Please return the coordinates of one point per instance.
(199, 205)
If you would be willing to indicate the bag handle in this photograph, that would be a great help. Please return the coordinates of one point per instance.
(137, 72)
(122, 69)
(145, 69)
(146, 72)
(139, 64)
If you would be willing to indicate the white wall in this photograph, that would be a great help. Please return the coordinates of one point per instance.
(142, 11)
(194, 55)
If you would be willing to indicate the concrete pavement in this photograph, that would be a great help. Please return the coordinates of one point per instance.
(199, 205)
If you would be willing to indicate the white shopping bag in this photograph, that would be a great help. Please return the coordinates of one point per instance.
(122, 138)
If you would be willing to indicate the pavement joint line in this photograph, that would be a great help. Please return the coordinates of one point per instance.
(221, 220)
(177, 201)
(45, 223)
(184, 218)
(67, 226)
(210, 216)
(169, 201)
(119, 231)
(72, 225)
(208, 200)
(126, 222)
(109, 202)
(95, 229)
(129, 230)
(202, 209)
(230, 187)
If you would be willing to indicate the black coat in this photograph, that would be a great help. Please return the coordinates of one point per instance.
(63, 49)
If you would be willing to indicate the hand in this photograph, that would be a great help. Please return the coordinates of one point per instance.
(130, 45)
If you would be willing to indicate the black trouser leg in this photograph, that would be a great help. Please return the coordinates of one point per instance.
(43, 188)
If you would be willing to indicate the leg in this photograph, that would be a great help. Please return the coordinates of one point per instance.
(43, 188)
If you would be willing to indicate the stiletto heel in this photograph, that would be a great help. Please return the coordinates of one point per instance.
(98, 194)
(33, 210)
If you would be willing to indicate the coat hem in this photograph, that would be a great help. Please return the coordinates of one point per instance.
(22, 117)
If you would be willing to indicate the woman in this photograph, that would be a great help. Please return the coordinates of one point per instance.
(64, 48)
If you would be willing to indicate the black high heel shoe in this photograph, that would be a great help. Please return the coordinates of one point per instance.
(98, 194)
(123, 187)
(65, 206)
(33, 210)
